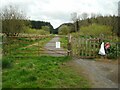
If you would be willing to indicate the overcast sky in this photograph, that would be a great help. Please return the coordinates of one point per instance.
(59, 11)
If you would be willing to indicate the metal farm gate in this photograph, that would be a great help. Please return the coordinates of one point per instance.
(31, 46)
(82, 46)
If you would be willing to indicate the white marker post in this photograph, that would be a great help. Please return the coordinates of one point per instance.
(57, 44)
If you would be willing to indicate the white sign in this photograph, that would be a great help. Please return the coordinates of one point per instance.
(57, 44)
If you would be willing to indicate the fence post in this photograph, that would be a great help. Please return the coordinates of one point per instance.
(38, 48)
(102, 38)
(69, 51)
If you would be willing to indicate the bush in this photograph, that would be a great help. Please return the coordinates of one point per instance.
(34, 31)
(96, 29)
(43, 32)
(6, 63)
(23, 72)
(64, 30)
(32, 78)
(13, 20)
(113, 53)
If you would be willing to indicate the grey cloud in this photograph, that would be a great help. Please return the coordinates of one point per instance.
(44, 9)
(58, 15)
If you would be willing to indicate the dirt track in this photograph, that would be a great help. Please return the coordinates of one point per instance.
(50, 48)
(100, 74)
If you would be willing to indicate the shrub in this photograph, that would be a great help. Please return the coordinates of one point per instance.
(6, 63)
(43, 32)
(34, 31)
(96, 29)
(13, 20)
(23, 72)
(32, 78)
(64, 30)
(113, 53)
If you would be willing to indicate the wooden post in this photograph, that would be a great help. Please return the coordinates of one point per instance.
(90, 48)
(86, 47)
(82, 47)
(79, 47)
(101, 40)
(69, 52)
(38, 48)
(94, 48)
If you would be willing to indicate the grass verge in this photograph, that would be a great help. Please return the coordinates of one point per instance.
(25, 47)
(42, 72)
(64, 41)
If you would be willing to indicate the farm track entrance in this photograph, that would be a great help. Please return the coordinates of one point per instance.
(50, 48)
(31, 46)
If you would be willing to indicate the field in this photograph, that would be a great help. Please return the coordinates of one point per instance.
(42, 72)
(38, 71)
(64, 41)
(25, 46)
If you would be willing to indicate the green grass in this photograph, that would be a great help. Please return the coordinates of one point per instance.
(16, 43)
(96, 29)
(64, 41)
(16, 47)
(39, 71)
(42, 72)
(33, 50)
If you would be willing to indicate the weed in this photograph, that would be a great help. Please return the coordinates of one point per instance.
(42, 72)
(6, 63)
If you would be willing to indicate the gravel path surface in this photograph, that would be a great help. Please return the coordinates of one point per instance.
(50, 48)
(102, 75)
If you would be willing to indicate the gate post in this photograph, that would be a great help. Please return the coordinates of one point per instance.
(102, 38)
(38, 49)
(69, 51)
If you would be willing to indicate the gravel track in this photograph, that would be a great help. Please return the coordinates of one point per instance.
(101, 75)
(50, 48)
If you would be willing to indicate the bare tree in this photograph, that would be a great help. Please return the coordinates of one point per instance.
(99, 15)
(75, 19)
(74, 16)
(93, 15)
(84, 16)
(13, 20)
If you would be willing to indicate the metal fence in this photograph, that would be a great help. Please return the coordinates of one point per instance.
(33, 46)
